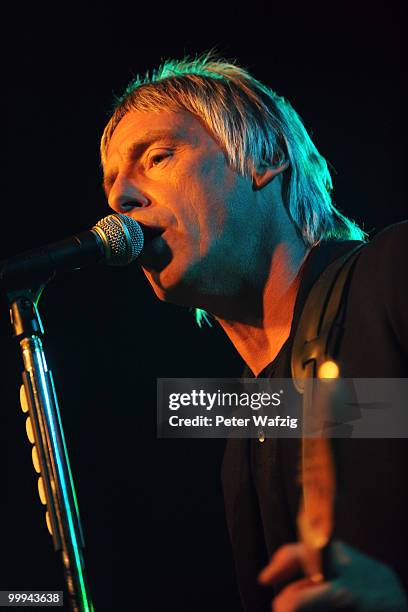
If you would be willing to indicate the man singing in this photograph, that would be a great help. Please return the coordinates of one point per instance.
(236, 204)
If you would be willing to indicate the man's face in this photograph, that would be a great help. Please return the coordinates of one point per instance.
(166, 171)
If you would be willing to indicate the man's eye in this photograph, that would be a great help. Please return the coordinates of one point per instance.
(156, 159)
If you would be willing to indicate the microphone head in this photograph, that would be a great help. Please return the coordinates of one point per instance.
(122, 238)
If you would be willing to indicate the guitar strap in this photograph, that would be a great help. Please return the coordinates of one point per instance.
(321, 323)
(316, 344)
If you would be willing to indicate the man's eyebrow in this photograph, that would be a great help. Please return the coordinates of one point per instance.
(136, 150)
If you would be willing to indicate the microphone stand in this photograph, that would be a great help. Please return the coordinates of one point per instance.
(56, 486)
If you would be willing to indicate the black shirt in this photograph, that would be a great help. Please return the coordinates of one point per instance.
(260, 481)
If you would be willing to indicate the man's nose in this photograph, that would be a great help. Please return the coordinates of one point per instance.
(125, 195)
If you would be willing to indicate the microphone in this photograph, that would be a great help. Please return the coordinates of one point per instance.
(116, 240)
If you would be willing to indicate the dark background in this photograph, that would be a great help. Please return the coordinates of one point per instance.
(152, 510)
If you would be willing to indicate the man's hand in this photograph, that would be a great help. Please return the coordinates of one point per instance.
(361, 584)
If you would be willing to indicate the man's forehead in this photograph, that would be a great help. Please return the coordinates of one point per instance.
(144, 126)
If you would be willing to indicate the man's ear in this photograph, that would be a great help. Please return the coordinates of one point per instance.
(262, 175)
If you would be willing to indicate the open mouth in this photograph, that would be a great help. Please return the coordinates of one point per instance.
(156, 254)
(151, 232)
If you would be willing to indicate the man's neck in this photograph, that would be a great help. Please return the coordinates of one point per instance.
(260, 341)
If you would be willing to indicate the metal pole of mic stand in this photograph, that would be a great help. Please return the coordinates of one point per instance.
(44, 426)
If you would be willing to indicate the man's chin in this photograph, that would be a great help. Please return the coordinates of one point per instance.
(168, 289)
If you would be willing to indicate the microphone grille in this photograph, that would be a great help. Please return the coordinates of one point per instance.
(122, 237)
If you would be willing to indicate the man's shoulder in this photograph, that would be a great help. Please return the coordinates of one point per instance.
(384, 259)
(392, 240)
(378, 296)
(375, 327)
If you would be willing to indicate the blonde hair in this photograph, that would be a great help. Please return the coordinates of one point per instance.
(253, 125)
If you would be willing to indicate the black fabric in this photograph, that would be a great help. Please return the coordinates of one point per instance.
(260, 479)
